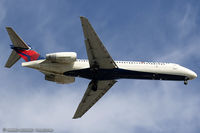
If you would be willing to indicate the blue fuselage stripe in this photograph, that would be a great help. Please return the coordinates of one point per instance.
(29, 58)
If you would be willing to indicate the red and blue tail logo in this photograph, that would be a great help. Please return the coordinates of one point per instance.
(27, 54)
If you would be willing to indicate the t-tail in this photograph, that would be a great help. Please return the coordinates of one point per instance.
(20, 50)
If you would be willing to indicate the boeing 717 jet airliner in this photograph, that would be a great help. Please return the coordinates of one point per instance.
(100, 68)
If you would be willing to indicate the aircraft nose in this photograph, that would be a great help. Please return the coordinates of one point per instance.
(192, 74)
(189, 73)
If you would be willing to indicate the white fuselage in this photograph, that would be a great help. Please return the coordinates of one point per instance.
(143, 67)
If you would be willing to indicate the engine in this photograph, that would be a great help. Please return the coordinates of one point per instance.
(60, 79)
(62, 57)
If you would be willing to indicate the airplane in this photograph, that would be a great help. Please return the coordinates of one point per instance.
(100, 68)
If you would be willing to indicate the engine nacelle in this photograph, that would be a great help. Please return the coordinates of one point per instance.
(62, 57)
(60, 79)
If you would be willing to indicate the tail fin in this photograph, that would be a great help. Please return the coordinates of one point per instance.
(20, 49)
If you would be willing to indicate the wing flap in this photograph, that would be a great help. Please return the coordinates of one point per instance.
(91, 97)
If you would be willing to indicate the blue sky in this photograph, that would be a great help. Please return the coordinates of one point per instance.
(145, 30)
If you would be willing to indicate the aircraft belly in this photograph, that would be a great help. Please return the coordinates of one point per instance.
(110, 74)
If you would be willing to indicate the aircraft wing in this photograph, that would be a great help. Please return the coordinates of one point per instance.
(98, 56)
(91, 97)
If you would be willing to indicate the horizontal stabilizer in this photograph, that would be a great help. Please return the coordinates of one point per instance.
(13, 58)
(16, 40)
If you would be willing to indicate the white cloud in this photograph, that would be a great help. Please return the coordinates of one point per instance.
(186, 46)
(146, 105)
(188, 21)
